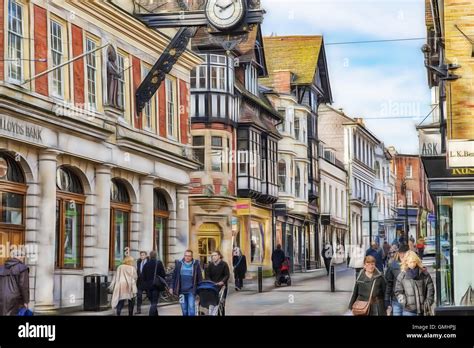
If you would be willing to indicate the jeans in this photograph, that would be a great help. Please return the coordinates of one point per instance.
(188, 304)
(409, 314)
(154, 296)
(121, 303)
(140, 299)
(239, 283)
(397, 308)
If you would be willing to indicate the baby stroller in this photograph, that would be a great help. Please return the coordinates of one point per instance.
(211, 299)
(283, 277)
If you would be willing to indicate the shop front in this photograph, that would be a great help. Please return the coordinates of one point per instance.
(453, 193)
(255, 234)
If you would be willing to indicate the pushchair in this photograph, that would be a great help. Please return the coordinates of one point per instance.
(283, 276)
(211, 299)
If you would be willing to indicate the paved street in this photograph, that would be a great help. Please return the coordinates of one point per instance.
(310, 294)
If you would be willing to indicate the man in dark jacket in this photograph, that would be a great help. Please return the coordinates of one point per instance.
(140, 286)
(153, 267)
(377, 253)
(393, 270)
(14, 285)
(218, 272)
(187, 275)
(278, 257)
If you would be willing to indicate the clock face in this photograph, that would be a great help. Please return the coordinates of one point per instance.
(225, 14)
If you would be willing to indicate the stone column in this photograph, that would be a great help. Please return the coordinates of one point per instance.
(44, 288)
(182, 220)
(145, 239)
(102, 226)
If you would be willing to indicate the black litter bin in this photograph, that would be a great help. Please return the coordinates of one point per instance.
(95, 292)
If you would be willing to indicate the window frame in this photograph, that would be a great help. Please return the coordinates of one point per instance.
(214, 150)
(63, 71)
(200, 148)
(97, 72)
(10, 61)
(151, 107)
(173, 105)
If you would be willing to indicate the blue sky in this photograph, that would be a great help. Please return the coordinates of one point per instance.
(368, 80)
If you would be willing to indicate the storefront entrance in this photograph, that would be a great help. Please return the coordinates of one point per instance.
(209, 240)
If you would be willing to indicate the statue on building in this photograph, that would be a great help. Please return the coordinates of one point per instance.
(113, 76)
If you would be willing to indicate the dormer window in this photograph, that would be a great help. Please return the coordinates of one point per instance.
(251, 79)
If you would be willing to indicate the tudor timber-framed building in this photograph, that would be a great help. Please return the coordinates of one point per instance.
(297, 84)
(235, 139)
(83, 179)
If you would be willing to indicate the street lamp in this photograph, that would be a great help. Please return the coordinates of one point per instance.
(404, 191)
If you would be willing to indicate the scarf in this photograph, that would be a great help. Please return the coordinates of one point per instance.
(413, 273)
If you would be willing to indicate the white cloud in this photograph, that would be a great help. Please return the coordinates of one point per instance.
(377, 18)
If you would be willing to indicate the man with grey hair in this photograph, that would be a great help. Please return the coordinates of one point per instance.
(14, 284)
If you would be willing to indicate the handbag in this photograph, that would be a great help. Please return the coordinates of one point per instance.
(362, 308)
(158, 282)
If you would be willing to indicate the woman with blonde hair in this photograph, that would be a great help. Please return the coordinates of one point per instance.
(124, 285)
(414, 288)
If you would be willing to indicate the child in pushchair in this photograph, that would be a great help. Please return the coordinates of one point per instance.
(211, 298)
(283, 275)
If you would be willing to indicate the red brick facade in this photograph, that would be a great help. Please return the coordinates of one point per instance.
(137, 79)
(2, 38)
(162, 109)
(78, 65)
(184, 111)
(41, 49)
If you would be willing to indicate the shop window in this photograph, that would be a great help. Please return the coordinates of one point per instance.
(161, 217)
(120, 208)
(69, 219)
(257, 242)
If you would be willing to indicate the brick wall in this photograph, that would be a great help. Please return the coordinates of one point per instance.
(2, 36)
(282, 81)
(459, 50)
(41, 49)
(413, 184)
(78, 65)
(184, 111)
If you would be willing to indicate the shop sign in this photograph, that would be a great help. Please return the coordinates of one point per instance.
(460, 154)
(430, 142)
(242, 207)
(462, 171)
(18, 128)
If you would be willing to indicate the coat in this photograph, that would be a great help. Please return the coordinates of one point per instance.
(148, 275)
(409, 297)
(14, 287)
(218, 273)
(278, 256)
(140, 284)
(391, 275)
(362, 290)
(124, 284)
(197, 276)
(240, 266)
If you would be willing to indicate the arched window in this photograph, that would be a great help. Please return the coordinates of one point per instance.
(282, 176)
(12, 204)
(161, 215)
(120, 208)
(69, 219)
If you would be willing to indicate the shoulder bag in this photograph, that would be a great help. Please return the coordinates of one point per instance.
(362, 308)
(158, 282)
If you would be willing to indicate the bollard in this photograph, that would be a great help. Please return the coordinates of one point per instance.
(333, 279)
(260, 278)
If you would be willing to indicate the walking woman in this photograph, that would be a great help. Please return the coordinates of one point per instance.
(370, 289)
(414, 287)
(217, 271)
(124, 286)
(391, 275)
(239, 262)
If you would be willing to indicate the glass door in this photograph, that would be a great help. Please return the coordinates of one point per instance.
(206, 245)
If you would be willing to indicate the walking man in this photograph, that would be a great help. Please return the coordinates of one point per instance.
(140, 283)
